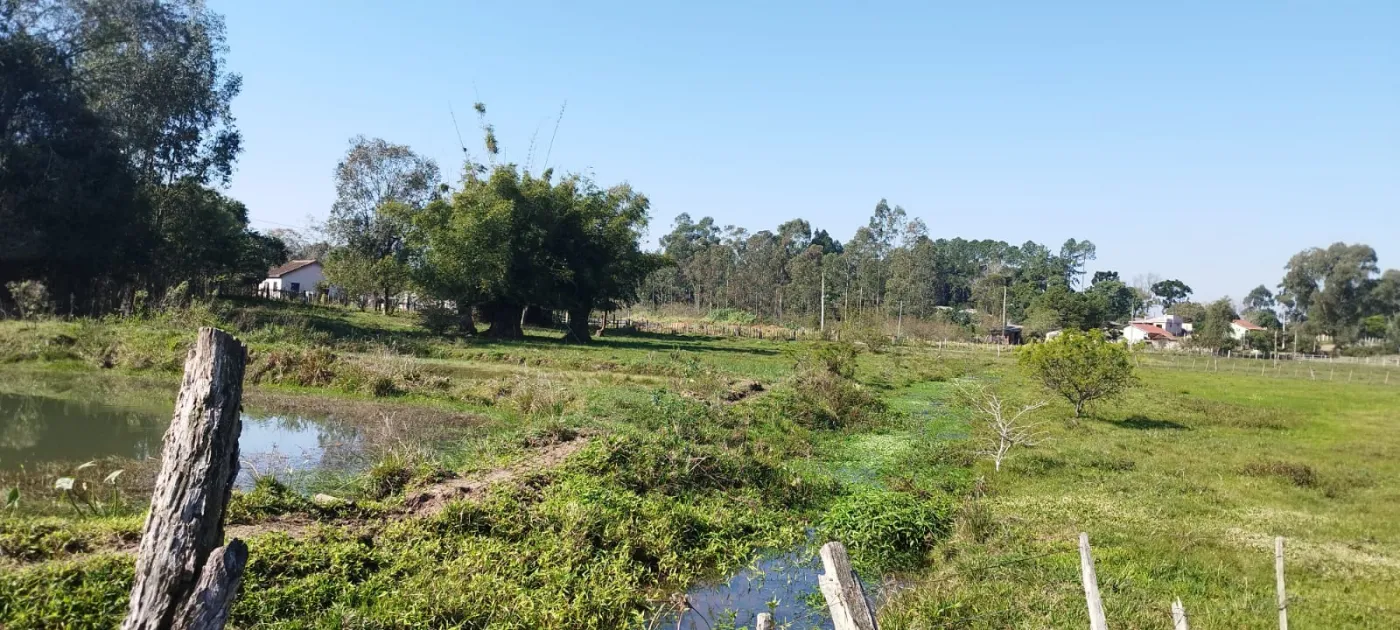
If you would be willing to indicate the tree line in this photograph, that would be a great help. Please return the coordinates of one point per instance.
(891, 267)
(116, 135)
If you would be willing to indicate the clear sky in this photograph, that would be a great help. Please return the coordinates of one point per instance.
(1207, 141)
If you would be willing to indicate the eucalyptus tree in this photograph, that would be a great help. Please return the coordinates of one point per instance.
(379, 187)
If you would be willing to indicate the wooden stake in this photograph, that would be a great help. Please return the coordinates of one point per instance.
(765, 622)
(1097, 621)
(1278, 576)
(843, 592)
(1179, 616)
(184, 580)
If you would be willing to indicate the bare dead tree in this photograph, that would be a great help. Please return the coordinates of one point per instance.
(1007, 427)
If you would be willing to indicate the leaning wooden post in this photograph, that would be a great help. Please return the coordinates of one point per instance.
(1097, 621)
(1278, 576)
(844, 594)
(184, 579)
(1179, 616)
(765, 622)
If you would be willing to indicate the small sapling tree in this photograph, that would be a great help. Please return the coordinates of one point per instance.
(1081, 366)
(1003, 426)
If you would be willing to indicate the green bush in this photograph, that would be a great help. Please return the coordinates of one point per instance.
(436, 319)
(823, 394)
(886, 529)
(313, 367)
(1081, 366)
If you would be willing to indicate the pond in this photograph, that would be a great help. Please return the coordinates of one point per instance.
(783, 583)
(36, 431)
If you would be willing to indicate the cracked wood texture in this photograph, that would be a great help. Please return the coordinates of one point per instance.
(176, 581)
(845, 597)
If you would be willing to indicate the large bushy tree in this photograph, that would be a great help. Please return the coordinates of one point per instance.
(129, 103)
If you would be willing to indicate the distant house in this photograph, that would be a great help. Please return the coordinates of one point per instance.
(1239, 328)
(1141, 332)
(293, 279)
(1172, 324)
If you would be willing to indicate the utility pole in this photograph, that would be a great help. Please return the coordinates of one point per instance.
(823, 316)
(1003, 315)
(899, 324)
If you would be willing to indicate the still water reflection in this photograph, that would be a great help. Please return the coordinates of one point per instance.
(42, 430)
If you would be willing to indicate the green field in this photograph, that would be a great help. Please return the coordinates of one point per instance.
(684, 471)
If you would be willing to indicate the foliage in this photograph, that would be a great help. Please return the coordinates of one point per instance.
(1214, 329)
(1171, 292)
(731, 316)
(1332, 288)
(31, 298)
(117, 128)
(437, 319)
(1081, 366)
(886, 529)
(510, 239)
(823, 394)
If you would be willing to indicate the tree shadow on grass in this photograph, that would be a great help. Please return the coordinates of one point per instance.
(1143, 423)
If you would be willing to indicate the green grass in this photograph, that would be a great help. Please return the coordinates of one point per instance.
(1181, 485)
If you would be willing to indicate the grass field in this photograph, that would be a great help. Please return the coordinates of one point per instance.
(699, 452)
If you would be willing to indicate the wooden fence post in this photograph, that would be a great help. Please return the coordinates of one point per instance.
(844, 594)
(1097, 621)
(1278, 576)
(1179, 616)
(765, 622)
(184, 579)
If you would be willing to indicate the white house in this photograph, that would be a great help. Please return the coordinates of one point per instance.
(1239, 328)
(1140, 332)
(1169, 323)
(293, 279)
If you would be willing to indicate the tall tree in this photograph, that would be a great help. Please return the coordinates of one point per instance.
(69, 206)
(1260, 298)
(1171, 292)
(1332, 286)
(379, 187)
(154, 70)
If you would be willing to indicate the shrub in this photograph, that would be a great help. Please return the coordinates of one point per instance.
(437, 319)
(883, 528)
(825, 400)
(837, 358)
(315, 367)
(31, 298)
(1081, 366)
(388, 476)
(1301, 475)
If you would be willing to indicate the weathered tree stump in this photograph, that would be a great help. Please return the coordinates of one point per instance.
(184, 579)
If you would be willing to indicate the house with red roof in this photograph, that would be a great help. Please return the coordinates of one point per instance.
(1241, 327)
(1143, 332)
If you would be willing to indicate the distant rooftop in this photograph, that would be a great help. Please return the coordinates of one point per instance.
(278, 272)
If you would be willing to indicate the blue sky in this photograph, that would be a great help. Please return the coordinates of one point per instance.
(1206, 141)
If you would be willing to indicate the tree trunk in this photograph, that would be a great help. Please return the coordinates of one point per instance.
(578, 331)
(504, 320)
(1078, 408)
(466, 325)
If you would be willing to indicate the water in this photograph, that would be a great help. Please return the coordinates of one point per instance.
(783, 584)
(36, 430)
